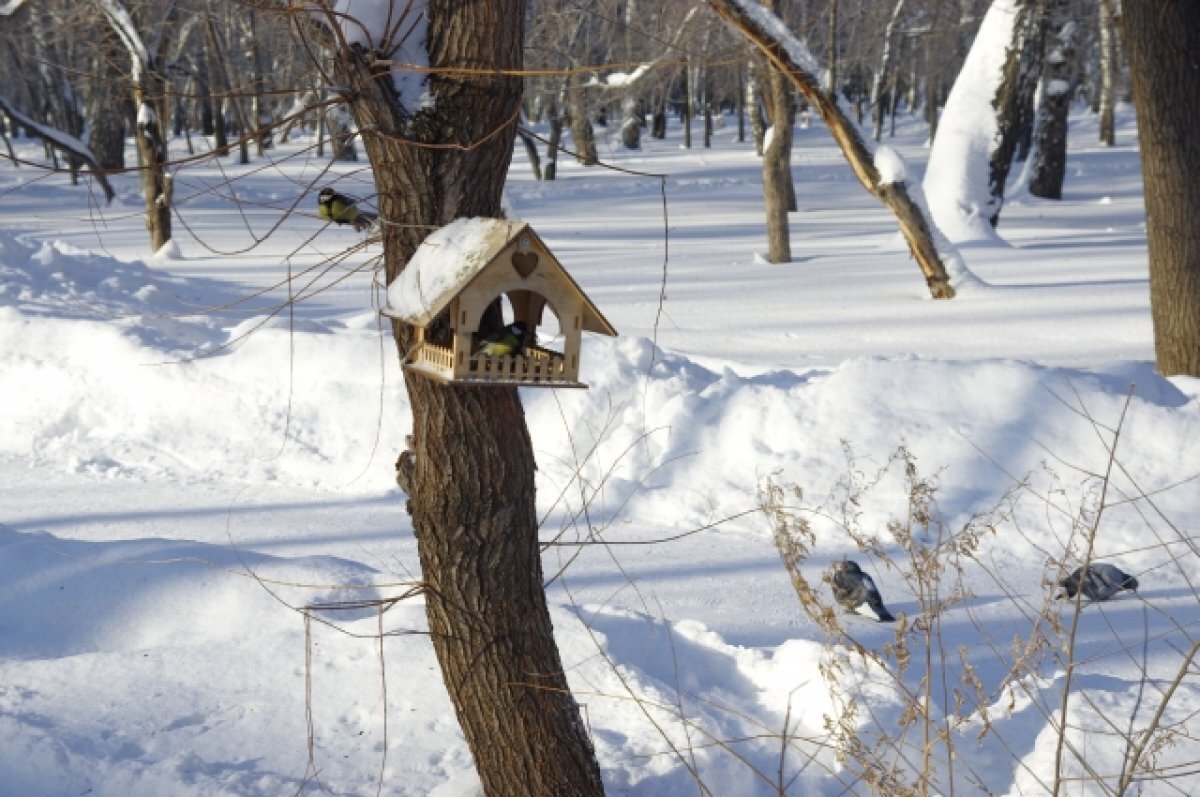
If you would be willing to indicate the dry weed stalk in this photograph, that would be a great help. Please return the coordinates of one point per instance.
(942, 692)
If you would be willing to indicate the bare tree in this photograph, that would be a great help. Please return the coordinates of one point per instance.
(1162, 38)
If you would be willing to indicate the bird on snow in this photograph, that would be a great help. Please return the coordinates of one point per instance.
(856, 591)
(1101, 582)
(508, 340)
(341, 209)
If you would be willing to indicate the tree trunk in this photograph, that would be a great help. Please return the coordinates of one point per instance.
(1162, 38)
(1048, 163)
(631, 126)
(341, 134)
(915, 227)
(1014, 98)
(658, 119)
(581, 126)
(933, 82)
(707, 105)
(152, 146)
(106, 138)
(883, 73)
(219, 88)
(531, 152)
(470, 475)
(1108, 73)
(260, 123)
(150, 90)
(554, 140)
(776, 167)
(754, 108)
(231, 100)
(833, 44)
(631, 103)
(688, 107)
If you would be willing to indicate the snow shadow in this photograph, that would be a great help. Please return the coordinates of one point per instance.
(63, 597)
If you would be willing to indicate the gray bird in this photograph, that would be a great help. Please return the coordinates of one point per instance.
(856, 591)
(1101, 582)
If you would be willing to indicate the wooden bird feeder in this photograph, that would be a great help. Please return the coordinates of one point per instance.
(461, 269)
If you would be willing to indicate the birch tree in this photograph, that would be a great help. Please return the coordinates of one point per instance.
(1108, 72)
(884, 69)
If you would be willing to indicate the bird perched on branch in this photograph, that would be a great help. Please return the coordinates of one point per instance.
(508, 340)
(1101, 582)
(341, 209)
(856, 591)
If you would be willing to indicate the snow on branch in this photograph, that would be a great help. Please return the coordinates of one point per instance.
(122, 23)
(395, 32)
(625, 80)
(11, 7)
(772, 26)
(884, 177)
(62, 141)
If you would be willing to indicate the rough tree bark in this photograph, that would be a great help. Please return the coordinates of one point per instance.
(1014, 97)
(914, 225)
(470, 473)
(1162, 38)
(107, 129)
(1048, 159)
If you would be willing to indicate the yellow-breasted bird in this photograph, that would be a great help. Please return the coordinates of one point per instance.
(508, 340)
(341, 209)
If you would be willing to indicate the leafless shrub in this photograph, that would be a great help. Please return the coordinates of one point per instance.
(947, 708)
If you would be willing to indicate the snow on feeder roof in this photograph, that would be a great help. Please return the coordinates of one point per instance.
(461, 269)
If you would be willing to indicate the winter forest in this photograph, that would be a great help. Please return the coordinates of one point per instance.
(721, 398)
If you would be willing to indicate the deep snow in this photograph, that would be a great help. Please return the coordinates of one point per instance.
(188, 460)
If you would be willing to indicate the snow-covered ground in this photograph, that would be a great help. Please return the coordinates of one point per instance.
(189, 460)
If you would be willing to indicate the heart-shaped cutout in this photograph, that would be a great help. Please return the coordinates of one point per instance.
(524, 263)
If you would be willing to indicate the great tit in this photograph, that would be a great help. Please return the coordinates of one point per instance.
(341, 209)
(856, 591)
(1101, 583)
(508, 340)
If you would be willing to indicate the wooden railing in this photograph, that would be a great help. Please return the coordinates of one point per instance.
(533, 365)
(442, 359)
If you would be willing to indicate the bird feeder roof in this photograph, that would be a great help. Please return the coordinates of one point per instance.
(452, 257)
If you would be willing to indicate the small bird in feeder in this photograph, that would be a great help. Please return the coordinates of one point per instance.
(500, 343)
(341, 209)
